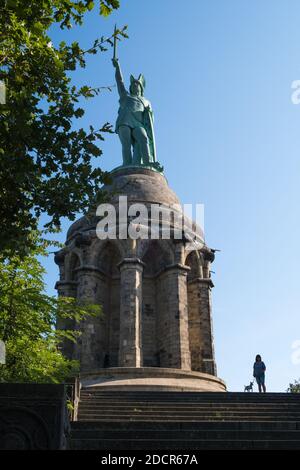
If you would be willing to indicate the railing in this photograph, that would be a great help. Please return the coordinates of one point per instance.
(73, 396)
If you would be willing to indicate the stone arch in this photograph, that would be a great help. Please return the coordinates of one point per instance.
(99, 281)
(23, 429)
(195, 262)
(99, 247)
(106, 260)
(157, 255)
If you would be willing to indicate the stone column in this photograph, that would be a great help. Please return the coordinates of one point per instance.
(66, 289)
(201, 329)
(91, 344)
(179, 350)
(131, 270)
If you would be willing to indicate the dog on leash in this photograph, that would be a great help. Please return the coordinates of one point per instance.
(249, 388)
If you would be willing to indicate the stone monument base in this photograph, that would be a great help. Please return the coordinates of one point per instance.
(152, 378)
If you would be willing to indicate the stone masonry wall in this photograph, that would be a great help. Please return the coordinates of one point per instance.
(114, 322)
(148, 326)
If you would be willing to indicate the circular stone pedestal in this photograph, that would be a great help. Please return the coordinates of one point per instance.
(152, 378)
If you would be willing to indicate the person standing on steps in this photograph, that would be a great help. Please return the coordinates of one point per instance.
(259, 369)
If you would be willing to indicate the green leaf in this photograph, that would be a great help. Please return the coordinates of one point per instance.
(90, 5)
(104, 9)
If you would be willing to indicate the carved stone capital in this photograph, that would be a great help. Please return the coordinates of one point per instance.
(130, 262)
(201, 280)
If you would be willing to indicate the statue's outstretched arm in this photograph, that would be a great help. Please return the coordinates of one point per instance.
(119, 77)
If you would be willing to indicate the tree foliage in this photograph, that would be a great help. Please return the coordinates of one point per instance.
(294, 387)
(45, 157)
(28, 318)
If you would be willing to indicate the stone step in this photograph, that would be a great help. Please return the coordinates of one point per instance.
(139, 420)
(184, 425)
(187, 406)
(102, 390)
(258, 398)
(181, 417)
(188, 434)
(137, 407)
(244, 398)
(170, 405)
(175, 444)
(194, 401)
(188, 412)
(255, 398)
(151, 393)
(158, 418)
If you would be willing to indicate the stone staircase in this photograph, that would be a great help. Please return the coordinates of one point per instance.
(162, 420)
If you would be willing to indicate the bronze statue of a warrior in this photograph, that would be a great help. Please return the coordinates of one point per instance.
(135, 121)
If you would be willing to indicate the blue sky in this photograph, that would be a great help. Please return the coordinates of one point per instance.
(219, 77)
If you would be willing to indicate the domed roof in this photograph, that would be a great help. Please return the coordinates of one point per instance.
(139, 184)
